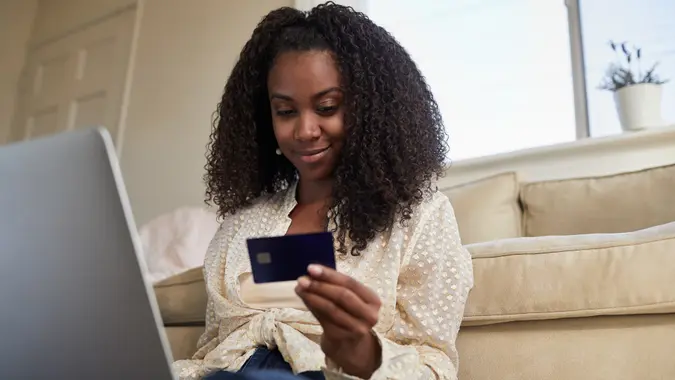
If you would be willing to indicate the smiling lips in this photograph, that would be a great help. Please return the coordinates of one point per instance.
(313, 155)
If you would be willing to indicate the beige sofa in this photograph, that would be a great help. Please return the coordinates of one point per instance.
(574, 279)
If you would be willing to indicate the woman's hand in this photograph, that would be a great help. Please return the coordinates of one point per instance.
(347, 310)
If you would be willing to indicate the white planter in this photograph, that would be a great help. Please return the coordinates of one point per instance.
(639, 106)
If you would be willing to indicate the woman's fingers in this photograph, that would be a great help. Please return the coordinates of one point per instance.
(328, 275)
(337, 297)
(333, 318)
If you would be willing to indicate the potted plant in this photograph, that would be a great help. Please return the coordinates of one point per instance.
(637, 93)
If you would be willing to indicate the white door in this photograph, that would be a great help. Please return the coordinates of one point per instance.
(75, 81)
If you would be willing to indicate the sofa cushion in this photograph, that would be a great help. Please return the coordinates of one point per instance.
(183, 340)
(523, 279)
(555, 277)
(617, 203)
(487, 209)
(607, 347)
(182, 297)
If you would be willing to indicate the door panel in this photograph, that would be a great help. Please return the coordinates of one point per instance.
(76, 81)
(89, 110)
(50, 79)
(44, 122)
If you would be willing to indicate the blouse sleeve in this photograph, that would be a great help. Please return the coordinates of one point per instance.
(193, 369)
(433, 285)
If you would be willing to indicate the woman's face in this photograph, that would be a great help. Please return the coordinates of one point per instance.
(307, 111)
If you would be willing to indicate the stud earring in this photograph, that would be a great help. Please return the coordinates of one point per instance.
(278, 152)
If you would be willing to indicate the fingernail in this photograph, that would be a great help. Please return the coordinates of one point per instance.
(303, 282)
(314, 269)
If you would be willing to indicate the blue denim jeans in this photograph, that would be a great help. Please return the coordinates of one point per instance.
(265, 364)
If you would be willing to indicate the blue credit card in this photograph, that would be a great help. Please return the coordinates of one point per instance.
(285, 258)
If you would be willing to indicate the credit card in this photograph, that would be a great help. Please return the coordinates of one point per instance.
(285, 258)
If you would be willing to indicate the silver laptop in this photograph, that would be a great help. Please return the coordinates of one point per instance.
(73, 299)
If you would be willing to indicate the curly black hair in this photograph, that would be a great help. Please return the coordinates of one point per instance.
(395, 143)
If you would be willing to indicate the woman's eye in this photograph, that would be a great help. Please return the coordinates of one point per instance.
(285, 112)
(326, 109)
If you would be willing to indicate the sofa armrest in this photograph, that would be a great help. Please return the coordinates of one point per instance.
(555, 277)
(182, 298)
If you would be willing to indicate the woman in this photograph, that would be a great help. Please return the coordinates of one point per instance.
(327, 124)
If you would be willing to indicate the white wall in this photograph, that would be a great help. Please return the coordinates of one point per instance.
(55, 18)
(16, 22)
(305, 5)
(185, 51)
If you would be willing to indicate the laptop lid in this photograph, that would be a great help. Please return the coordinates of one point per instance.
(73, 299)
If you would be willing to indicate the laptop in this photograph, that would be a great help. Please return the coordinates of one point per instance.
(74, 299)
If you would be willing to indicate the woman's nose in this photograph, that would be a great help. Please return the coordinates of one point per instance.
(308, 127)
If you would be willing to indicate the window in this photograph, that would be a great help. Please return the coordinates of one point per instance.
(499, 69)
(646, 23)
